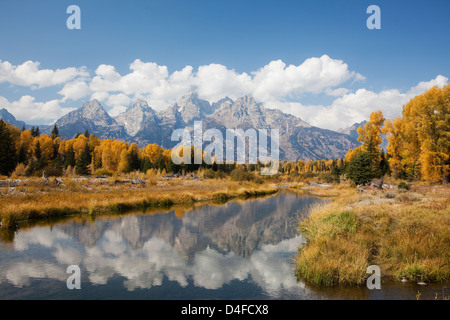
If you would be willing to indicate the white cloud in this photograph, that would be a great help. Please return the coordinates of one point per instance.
(274, 84)
(28, 74)
(27, 109)
(439, 81)
(275, 81)
(75, 90)
(357, 106)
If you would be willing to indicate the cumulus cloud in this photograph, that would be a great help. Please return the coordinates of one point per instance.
(276, 85)
(29, 74)
(75, 90)
(28, 109)
(315, 75)
(352, 107)
(274, 81)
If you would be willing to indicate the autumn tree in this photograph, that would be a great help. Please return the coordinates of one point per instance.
(370, 136)
(393, 132)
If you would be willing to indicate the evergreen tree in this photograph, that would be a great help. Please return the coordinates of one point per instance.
(336, 173)
(8, 158)
(40, 160)
(55, 132)
(360, 169)
(384, 165)
(83, 161)
(35, 131)
(23, 157)
(86, 133)
(70, 158)
(146, 164)
(133, 160)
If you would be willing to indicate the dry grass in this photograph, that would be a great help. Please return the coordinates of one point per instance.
(407, 234)
(36, 200)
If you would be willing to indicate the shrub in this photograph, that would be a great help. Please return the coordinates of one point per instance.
(403, 186)
(103, 172)
(211, 174)
(241, 175)
(327, 177)
(50, 171)
(20, 170)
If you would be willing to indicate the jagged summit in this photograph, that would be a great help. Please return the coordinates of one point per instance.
(134, 117)
(143, 125)
(192, 108)
(90, 116)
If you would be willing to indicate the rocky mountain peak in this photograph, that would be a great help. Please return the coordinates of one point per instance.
(192, 108)
(141, 124)
(141, 104)
(134, 117)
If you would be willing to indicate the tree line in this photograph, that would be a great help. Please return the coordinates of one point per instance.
(418, 149)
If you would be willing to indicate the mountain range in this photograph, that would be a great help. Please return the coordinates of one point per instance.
(144, 125)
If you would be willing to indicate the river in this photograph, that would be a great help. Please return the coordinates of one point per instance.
(237, 250)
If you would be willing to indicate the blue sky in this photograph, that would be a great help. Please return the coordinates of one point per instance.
(410, 52)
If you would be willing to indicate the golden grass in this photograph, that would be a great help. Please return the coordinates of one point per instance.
(407, 234)
(36, 200)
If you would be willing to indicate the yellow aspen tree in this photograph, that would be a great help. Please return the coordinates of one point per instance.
(393, 132)
(46, 145)
(79, 145)
(370, 136)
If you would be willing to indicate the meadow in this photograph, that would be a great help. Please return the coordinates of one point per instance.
(34, 198)
(404, 232)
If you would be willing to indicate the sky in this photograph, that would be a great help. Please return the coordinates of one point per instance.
(315, 59)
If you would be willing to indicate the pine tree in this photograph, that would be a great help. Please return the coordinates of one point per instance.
(70, 158)
(35, 131)
(55, 132)
(83, 161)
(40, 160)
(8, 159)
(360, 169)
(22, 158)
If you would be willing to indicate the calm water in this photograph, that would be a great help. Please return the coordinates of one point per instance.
(238, 250)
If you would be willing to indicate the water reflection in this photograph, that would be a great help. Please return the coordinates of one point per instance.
(241, 242)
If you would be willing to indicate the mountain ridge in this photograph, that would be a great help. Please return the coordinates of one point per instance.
(143, 125)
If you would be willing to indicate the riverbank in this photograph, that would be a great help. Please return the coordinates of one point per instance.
(405, 233)
(39, 199)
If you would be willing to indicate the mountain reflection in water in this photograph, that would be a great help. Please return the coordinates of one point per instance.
(246, 244)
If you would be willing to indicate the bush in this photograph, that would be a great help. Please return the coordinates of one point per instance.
(241, 175)
(403, 186)
(103, 172)
(20, 170)
(50, 171)
(211, 174)
(327, 177)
